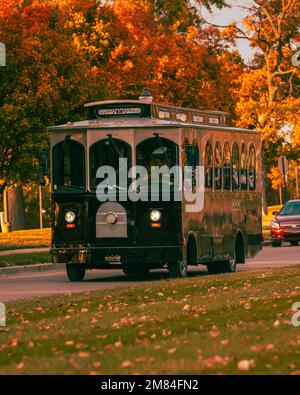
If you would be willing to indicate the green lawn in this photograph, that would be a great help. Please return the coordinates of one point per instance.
(25, 259)
(204, 324)
(25, 239)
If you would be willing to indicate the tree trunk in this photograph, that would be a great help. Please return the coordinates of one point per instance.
(16, 208)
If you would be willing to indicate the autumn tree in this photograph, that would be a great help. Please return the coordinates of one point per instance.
(130, 44)
(45, 82)
(268, 96)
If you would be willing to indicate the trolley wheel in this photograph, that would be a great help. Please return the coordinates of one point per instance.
(228, 266)
(178, 269)
(214, 268)
(294, 243)
(276, 243)
(75, 272)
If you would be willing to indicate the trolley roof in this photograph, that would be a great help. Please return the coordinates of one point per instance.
(144, 114)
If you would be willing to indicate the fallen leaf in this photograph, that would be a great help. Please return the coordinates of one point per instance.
(83, 354)
(118, 344)
(245, 365)
(126, 364)
(276, 324)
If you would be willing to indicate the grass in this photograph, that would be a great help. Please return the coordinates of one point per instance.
(25, 259)
(205, 324)
(25, 239)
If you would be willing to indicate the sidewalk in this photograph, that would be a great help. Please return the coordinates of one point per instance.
(24, 251)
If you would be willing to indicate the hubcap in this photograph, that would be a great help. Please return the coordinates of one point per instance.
(232, 262)
(183, 268)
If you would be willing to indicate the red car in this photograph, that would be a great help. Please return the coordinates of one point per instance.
(286, 225)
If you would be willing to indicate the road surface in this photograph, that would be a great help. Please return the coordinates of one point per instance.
(27, 285)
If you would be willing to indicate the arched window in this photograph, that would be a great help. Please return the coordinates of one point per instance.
(154, 153)
(244, 172)
(68, 158)
(208, 166)
(235, 167)
(218, 166)
(108, 152)
(252, 168)
(227, 167)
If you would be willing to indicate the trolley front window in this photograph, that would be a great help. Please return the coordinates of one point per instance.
(157, 152)
(108, 152)
(68, 159)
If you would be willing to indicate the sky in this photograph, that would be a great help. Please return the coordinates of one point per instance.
(227, 15)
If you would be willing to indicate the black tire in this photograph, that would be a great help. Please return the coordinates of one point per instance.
(294, 243)
(276, 243)
(75, 272)
(228, 266)
(178, 269)
(213, 268)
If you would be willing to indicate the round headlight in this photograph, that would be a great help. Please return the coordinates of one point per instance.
(155, 215)
(70, 217)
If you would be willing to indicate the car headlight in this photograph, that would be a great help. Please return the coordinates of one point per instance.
(155, 215)
(70, 217)
(275, 224)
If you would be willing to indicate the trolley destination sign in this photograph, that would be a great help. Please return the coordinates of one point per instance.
(112, 110)
(120, 111)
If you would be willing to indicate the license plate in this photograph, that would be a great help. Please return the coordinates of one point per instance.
(113, 258)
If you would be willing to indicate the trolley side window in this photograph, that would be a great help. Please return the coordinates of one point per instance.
(227, 167)
(244, 171)
(252, 168)
(108, 152)
(218, 166)
(68, 166)
(208, 166)
(235, 167)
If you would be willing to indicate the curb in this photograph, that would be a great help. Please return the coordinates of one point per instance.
(21, 251)
(31, 268)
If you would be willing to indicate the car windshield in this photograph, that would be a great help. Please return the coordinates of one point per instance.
(291, 208)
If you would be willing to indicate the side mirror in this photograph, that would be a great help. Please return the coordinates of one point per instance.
(192, 153)
(275, 212)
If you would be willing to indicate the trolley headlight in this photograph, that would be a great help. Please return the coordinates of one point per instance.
(70, 217)
(155, 215)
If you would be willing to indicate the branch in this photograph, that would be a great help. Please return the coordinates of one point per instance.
(282, 73)
(244, 36)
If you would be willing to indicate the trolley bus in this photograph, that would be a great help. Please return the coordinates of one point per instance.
(146, 234)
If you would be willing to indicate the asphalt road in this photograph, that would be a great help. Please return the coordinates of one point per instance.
(27, 285)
